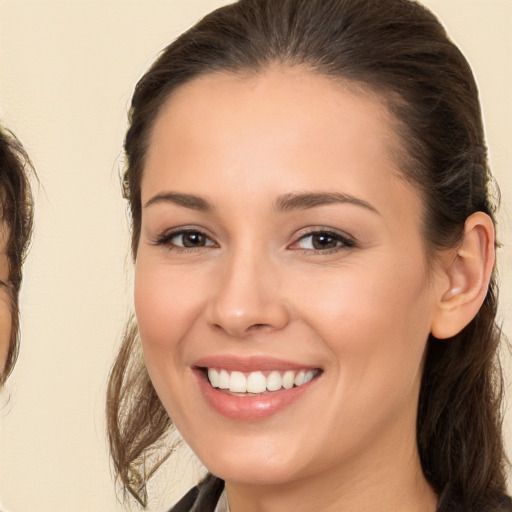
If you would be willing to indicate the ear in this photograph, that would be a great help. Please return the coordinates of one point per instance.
(466, 275)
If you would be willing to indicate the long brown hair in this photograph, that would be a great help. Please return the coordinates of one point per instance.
(16, 213)
(398, 50)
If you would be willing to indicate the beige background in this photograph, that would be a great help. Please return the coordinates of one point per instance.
(67, 70)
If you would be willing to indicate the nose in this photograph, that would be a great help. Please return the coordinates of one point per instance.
(248, 297)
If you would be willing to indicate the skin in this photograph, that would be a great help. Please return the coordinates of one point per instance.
(361, 312)
(5, 300)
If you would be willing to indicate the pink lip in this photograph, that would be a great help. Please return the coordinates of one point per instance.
(250, 408)
(249, 364)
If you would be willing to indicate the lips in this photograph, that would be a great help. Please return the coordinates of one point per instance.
(254, 388)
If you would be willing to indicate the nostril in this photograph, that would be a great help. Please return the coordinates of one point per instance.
(257, 316)
(259, 327)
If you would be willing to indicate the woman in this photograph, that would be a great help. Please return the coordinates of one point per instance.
(313, 235)
(15, 230)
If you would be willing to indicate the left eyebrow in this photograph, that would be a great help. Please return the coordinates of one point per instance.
(305, 201)
(185, 200)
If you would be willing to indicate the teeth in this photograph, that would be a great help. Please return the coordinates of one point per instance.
(288, 379)
(299, 378)
(224, 379)
(237, 382)
(274, 381)
(213, 376)
(309, 376)
(256, 382)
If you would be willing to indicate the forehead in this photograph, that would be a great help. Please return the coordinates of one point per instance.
(270, 101)
(306, 130)
(277, 95)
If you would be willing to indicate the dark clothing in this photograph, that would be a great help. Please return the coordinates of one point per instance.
(204, 497)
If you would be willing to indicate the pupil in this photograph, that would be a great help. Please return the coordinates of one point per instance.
(324, 242)
(193, 239)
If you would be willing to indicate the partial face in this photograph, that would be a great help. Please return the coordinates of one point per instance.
(281, 287)
(5, 299)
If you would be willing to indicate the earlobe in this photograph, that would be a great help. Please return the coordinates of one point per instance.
(469, 270)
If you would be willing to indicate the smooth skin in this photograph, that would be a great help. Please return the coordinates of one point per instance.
(341, 284)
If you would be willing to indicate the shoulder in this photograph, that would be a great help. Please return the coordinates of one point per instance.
(201, 498)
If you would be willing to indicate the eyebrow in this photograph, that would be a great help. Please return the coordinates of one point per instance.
(284, 203)
(305, 201)
(186, 200)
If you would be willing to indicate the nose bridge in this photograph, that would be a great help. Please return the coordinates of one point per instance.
(247, 296)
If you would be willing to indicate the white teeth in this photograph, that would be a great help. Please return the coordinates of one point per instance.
(299, 378)
(237, 382)
(288, 379)
(223, 379)
(256, 382)
(309, 376)
(274, 381)
(213, 376)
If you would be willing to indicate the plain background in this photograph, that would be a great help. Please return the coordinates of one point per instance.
(67, 71)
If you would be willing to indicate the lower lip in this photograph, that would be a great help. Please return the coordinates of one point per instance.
(250, 408)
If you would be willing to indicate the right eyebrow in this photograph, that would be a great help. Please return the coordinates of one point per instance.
(305, 201)
(185, 200)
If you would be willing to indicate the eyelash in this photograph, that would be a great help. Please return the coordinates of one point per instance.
(343, 242)
(166, 239)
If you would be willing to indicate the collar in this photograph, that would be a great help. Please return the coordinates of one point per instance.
(222, 504)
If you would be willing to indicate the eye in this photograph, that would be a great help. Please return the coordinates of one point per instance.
(191, 239)
(323, 241)
(185, 239)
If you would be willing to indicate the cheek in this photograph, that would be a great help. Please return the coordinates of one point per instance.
(166, 302)
(375, 325)
(165, 307)
(169, 301)
(374, 319)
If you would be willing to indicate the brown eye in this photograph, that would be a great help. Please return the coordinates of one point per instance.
(192, 239)
(324, 241)
(185, 239)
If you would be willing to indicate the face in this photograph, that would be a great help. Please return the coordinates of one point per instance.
(282, 291)
(5, 299)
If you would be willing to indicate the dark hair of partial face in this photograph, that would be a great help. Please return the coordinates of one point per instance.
(16, 213)
(398, 50)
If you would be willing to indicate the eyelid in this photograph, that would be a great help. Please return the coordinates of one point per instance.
(164, 239)
(347, 241)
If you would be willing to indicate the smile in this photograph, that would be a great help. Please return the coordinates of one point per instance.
(258, 382)
(253, 388)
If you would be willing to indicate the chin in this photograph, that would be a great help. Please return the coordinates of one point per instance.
(261, 462)
(254, 473)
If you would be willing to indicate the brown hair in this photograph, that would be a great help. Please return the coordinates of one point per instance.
(16, 212)
(399, 50)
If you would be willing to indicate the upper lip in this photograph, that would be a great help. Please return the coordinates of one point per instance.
(250, 364)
